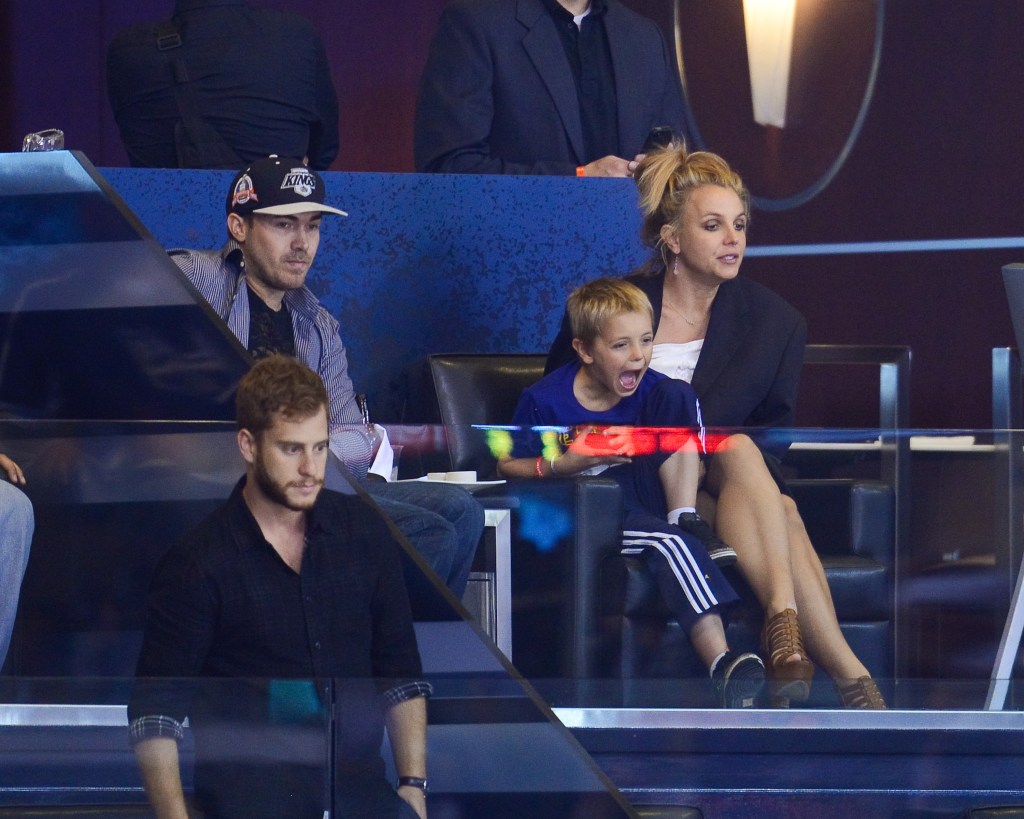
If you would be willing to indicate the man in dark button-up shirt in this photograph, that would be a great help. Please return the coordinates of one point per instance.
(286, 583)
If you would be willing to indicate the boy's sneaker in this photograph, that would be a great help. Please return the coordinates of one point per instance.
(738, 680)
(718, 550)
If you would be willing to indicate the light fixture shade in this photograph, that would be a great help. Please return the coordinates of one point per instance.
(769, 29)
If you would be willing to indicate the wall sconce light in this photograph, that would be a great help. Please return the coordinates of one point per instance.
(769, 29)
(773, 22)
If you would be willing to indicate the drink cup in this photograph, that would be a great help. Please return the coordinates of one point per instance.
(51, 139)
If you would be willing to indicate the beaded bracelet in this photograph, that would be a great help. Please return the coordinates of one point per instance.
(538, 466)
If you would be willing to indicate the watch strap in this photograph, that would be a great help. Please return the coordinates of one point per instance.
(413, 782)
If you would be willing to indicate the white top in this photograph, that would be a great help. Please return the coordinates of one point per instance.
(677, 360)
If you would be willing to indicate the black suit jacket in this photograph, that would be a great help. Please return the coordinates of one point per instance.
(498, 94)
(748, 371)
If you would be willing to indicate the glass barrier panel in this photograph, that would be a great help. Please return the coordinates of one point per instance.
(110, 498)
(563, 668)
(912, 528)
(290, 747)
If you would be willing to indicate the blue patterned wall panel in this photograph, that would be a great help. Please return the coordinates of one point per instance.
(427, 263)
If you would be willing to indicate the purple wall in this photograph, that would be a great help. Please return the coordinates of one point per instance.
(940, 157)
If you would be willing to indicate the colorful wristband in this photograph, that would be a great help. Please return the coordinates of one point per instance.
(581, 170)
(538, 466)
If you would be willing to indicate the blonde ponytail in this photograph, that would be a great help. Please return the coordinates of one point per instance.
(666, 177)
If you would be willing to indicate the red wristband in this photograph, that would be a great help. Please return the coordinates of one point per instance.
(581, 170)
(538, 466)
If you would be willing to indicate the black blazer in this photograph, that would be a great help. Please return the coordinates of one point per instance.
(748, 371)
(498, 94)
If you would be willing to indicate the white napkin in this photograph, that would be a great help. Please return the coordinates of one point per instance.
(384, 461)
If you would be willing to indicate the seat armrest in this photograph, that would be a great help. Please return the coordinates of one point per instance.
(564, 531)
(848, 517)
(873, 521)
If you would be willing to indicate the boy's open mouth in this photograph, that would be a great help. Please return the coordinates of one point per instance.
(630, 379)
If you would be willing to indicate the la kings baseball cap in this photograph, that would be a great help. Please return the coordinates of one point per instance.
(278, 186)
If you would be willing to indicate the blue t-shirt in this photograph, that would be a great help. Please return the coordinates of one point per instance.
(551, 402)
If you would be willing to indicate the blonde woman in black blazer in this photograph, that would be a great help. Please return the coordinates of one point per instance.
(741, 346)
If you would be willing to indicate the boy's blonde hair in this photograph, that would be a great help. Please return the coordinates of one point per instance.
(590, 305)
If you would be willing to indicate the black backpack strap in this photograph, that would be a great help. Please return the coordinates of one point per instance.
(197, 142)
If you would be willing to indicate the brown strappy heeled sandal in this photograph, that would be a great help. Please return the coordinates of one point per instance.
(780, 639)
(861, 693)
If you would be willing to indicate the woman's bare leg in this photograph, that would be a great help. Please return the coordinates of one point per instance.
(750, 518)
(749, 509)
(819, 625)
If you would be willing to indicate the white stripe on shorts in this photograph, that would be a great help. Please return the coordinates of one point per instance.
(686, 570)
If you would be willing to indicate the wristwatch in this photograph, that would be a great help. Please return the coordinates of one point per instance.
(414, 782)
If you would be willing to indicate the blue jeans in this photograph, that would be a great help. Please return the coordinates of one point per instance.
(16, 527)
(441, 521)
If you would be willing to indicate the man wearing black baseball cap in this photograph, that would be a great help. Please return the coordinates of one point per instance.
(278, 187)
(256, 283)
